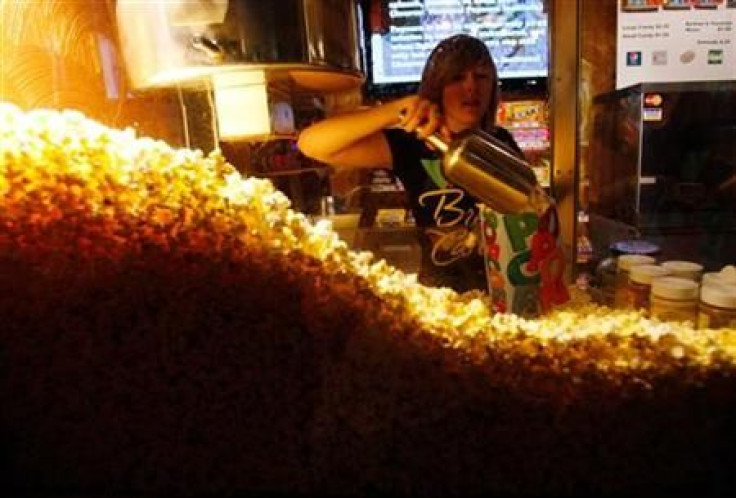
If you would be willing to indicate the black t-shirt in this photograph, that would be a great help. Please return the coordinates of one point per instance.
(446, 214)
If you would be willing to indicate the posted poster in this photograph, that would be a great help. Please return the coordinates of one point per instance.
(675, 40)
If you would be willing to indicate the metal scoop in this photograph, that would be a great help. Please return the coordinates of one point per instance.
(490, 171)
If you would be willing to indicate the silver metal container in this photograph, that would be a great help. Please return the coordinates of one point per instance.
(490, 171)
(313, 42)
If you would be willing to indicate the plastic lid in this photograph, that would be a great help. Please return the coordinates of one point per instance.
(723, 277)
(634, 247)
(626, 261)
(728, 274)
(712, 277)
(723, 296)
(684, 268)
(645, 274)
(676, 288)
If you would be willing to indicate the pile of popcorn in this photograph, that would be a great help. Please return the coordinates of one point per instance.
(59, 167)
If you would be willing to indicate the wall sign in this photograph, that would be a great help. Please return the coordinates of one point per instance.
(675, 40)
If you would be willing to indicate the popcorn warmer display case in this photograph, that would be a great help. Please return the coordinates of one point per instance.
(172, 327)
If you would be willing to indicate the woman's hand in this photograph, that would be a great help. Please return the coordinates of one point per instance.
(420, 116)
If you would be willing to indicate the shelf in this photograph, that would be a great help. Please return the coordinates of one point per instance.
(292, 172)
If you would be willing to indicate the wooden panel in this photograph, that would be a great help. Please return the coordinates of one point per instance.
(563, 103)
(597, 76)
(64, 54)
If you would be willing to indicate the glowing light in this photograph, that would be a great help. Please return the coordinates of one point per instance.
(62, 166)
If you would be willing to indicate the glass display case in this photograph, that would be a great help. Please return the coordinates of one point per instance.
(663, 161)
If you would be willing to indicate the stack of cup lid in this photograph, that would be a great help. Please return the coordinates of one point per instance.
(635, 246)
(684, 269)
(627, 261)
(718, 299)
(722, 296)
(717, 306)
(640, 284)
(646, 273)
(624, 264)
(675, 289)
(674, 299)
(727, 276)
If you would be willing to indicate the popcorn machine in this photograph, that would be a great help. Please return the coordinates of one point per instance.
(239, 48)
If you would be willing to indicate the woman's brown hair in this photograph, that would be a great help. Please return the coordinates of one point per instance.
(449, 59)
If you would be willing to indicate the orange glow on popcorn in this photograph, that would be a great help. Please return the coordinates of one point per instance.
(59, 169)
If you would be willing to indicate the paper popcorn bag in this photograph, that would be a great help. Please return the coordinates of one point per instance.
(524, 263)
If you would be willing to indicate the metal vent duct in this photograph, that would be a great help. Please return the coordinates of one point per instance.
(313, 42)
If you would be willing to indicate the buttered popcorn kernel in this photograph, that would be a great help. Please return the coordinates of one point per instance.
(61, 166)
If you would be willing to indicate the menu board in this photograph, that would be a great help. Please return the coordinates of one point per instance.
(675, 40)
(515, 31)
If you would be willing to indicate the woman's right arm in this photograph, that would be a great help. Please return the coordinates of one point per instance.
(355, 139)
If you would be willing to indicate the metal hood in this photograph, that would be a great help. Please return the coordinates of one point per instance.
(315, 43)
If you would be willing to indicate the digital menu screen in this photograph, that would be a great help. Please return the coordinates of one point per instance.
(516, 32)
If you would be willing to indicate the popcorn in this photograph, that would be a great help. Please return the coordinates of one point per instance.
(62, 166)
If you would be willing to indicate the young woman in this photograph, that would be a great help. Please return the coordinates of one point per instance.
(458, 92)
